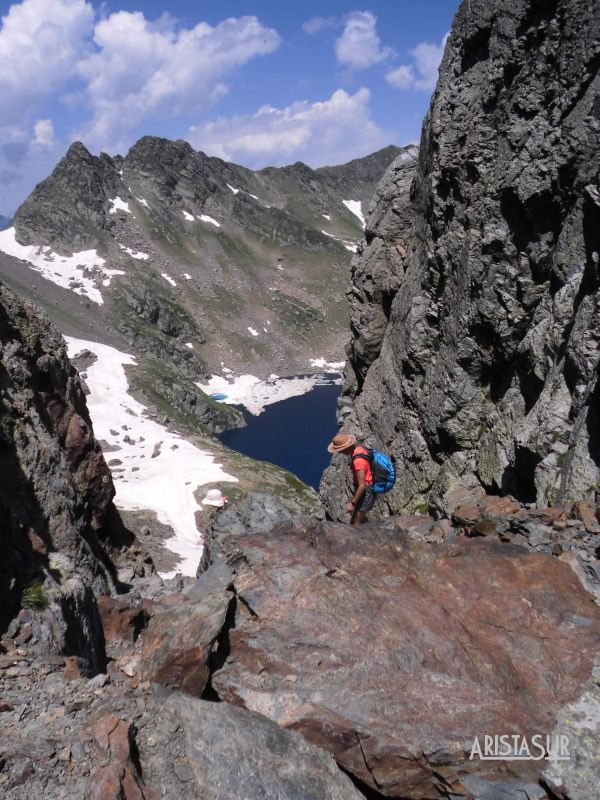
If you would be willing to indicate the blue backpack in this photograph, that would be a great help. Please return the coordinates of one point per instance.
(383, 469)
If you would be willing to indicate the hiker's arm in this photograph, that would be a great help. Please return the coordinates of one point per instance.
(360, 490)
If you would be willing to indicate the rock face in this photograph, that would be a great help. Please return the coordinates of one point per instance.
(57, 521)
(378, 269)
(488, 373)
(393, 654)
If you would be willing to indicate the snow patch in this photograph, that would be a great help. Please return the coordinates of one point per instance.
(233, 189)
(329, 366)
(140, 256)
(253, 332)
(206, 218)
(78, 272)
(326, 216)
(142, 202)
(352, 247)
(168, 278)
(187, 276)
(255, 394)
(190, 345)
(188, 216)
(118, 205)
(355, 207)
(156, 452)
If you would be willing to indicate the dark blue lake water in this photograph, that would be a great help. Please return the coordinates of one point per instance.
(293, 433)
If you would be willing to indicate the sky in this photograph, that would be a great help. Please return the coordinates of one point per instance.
(257, 82)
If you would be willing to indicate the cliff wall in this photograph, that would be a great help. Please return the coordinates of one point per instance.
(488, 371)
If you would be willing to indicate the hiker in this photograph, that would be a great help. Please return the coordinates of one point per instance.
(364, 497)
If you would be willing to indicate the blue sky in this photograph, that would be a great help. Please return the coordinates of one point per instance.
(258, 82)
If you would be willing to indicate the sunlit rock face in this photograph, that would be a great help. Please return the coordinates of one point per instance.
(488, 370)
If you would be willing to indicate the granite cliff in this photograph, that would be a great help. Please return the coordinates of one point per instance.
(488, 370)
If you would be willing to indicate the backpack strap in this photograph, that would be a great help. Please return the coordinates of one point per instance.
(368, 454)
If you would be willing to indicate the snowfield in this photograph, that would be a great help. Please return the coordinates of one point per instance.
(255, 394)
(77, 272)
(355, 207)
(159, 470)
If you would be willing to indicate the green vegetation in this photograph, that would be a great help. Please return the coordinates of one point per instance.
(33, 596)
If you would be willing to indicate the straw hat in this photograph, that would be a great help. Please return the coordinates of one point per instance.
(214, 497)
(341, 441)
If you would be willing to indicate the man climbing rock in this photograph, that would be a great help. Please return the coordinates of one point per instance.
(363, 499)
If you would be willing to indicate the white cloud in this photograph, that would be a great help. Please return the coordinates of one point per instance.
(44, 133)
(41, 41)
(402, 77)
(326, 132)
(145, 68)
(316, 24)
(423, 74)
(359, 46)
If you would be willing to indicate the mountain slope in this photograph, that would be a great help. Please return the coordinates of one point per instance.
(488, 372)
(193, 264)
(258, 259)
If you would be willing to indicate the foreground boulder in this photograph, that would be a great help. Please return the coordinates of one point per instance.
(394, 655)
(125, 740)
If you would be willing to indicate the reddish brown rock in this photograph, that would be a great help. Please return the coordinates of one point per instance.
(586, 512)
(394, 655)
(466, 515)
(178, 643)
(123, 622)
(494, 506)
(119, 778)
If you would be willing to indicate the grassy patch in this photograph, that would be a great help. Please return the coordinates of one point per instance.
(33, 596)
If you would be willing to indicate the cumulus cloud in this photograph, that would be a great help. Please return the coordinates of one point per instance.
(145, 68)
(359, 45)
(41, 41)
(326, 132)
(422, 75)
(43, 131)
(316, 24)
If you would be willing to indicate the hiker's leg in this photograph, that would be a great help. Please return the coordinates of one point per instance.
(360, 514)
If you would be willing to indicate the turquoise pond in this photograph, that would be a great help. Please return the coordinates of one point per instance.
(293, 433)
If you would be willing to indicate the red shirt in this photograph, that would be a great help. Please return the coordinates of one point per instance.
(362, 463)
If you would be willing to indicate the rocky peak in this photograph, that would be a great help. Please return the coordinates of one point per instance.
(68, 210)
(488, 373)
